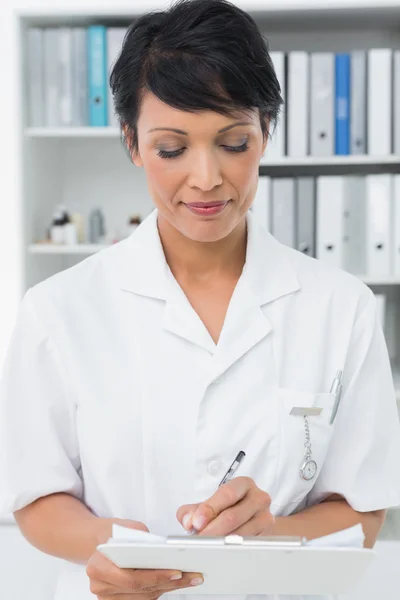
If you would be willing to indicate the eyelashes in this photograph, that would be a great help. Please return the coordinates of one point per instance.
(176, 153)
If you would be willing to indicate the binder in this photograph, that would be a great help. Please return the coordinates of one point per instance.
(379, 197)
(36, 77)
(283, 211)
(342, 104)
(330, 227)
(396, 102)
(65, 75)
(358, 102)
(79, 77)
(97, 72)
(115, 37)
(247, 565)
(51, 77)
(396, 226)
(298, 104)
(381, 309)
(322, 103)
(305, 215)
(262, 202)
(276, 145)
(379, 101)
(355, 223)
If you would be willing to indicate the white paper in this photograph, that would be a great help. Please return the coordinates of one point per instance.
(125, 534)
(353, 537)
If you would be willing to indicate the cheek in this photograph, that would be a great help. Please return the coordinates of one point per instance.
(162, 181)
(243, 176)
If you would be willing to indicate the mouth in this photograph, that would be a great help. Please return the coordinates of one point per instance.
(207, 208)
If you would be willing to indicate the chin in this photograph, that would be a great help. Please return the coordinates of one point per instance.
(208, 231)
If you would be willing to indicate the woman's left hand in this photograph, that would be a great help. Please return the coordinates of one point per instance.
(238, 507)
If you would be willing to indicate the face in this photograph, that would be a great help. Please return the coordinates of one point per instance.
(203, 175)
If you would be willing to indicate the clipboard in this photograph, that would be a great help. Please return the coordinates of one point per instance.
(256, 565)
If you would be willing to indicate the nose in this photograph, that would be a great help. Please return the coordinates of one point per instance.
(205, 173)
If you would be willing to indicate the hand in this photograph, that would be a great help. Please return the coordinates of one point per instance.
(109, 582)
(238, 506)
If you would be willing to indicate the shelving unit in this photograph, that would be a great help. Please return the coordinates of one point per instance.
(87, 167)
(66, 249)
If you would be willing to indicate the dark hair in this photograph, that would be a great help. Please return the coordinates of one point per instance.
(197, 55)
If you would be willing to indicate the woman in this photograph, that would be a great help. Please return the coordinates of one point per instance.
(134, 378)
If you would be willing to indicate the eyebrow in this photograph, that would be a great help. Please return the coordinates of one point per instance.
(186, 133)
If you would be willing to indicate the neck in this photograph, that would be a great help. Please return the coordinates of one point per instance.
(193, 260)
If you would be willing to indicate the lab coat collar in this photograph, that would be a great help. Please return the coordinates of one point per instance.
(268, 269)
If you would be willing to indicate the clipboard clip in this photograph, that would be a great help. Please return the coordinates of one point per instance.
(237, 540)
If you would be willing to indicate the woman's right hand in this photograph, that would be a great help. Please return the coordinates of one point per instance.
(109, 582)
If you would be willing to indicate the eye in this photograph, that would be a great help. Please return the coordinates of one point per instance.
(170, 154)
(241, 148)
(176, 153)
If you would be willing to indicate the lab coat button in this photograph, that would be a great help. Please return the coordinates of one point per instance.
(214, 467)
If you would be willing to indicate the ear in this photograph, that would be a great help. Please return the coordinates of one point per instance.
(265, 140)
(135, 154)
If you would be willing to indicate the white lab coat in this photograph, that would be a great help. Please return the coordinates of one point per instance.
(114, 391)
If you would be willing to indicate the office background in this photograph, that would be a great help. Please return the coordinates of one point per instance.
(63, 160)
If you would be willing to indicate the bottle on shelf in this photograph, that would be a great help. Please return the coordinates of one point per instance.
(57, 227)
(96, 226)
(77, 219)
(133, 223)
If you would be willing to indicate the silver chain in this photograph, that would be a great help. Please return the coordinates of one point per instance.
(307, 443)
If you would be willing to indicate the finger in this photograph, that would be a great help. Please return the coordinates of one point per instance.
(261, 524)
(185, 514)
(227, 495)
(106, 577)
(229, 520)
(144, 581)
(148, 595)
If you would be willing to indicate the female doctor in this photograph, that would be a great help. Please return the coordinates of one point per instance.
(134, 378)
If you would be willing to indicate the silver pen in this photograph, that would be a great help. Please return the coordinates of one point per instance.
(336, 389)
(227, 477)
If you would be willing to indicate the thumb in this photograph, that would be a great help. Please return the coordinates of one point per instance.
(185, 515)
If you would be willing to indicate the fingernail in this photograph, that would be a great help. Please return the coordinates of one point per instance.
(197, 581)
(199, 521)
(175, 577)
(186, 521)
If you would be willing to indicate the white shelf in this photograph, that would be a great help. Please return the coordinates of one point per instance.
(7, 520)
(285, 161)
(45, 248)
(389, 280)
(351, 159)
(66, 249)
(72, 132)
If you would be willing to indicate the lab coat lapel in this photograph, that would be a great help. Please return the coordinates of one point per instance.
(181, 319)
(145, 272)
(267, 276)
(245, 326)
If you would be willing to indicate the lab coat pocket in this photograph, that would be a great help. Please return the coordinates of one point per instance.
(291, 486)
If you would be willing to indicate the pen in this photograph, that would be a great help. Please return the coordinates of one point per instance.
(336, 389)
(227, 477)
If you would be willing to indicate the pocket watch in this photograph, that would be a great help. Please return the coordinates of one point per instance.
(308, 468)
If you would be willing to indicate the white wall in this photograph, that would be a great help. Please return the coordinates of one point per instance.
(37, 570)
(10, 226)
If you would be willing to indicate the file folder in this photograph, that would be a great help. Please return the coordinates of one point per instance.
(379, 196)
(330, 222)
(262, 202)
(322, 103)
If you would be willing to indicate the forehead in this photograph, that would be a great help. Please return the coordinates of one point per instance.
(155, 113)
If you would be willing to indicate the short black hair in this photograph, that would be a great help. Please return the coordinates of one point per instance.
(197, 55)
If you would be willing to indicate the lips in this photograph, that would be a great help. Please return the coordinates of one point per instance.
(207, 209)
(206, 204)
